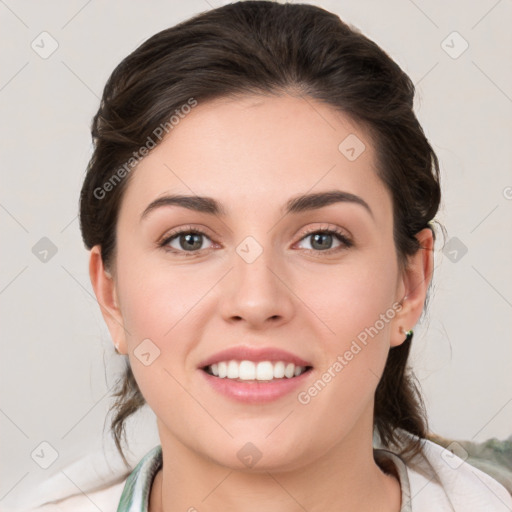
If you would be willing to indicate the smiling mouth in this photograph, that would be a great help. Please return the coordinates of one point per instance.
(250, 371)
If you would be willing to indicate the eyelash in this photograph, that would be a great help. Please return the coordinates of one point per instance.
(339, 235)
(346, 242)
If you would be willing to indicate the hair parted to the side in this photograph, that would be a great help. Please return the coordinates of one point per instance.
(265, 47)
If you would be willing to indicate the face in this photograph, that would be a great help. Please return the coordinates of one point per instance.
(319, 280)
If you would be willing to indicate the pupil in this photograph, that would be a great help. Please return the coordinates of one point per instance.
(190, 240)
(320, 236)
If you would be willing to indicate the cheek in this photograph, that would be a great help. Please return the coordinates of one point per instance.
(156, 298)
(165, 311)
(349, 299)
(160, 308)
(356, 306)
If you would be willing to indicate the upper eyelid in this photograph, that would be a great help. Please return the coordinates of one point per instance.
(326, 227)
(204, 231)
(185, 229)
(344, 238)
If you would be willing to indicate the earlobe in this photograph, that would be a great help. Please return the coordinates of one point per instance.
(104, 287)
(414, 283)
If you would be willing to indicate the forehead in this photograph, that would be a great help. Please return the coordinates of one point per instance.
(256, 151)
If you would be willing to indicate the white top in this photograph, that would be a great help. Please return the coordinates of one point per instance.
(437, 481)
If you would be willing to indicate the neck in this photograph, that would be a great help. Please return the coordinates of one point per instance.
(345, 478)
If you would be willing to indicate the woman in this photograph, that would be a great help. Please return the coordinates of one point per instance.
(259, 211)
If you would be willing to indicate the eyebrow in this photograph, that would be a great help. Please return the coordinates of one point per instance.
(296, 204)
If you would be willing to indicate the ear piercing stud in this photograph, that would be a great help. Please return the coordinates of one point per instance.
(407, 333)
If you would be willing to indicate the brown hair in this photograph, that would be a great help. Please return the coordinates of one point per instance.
(264, 47)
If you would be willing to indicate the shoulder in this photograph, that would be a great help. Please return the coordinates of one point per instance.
(493, 456)
(104, 491)
(105, 499)
(442, 480)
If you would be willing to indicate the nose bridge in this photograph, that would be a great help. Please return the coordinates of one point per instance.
(258, 292)
(253, 263)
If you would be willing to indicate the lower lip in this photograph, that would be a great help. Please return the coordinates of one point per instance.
(255, 392)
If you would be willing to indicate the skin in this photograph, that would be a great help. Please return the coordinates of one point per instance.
(253, 154)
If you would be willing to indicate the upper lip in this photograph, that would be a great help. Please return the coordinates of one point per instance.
(247, 353)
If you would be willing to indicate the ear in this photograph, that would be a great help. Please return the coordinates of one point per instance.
(105, 290)
(412, 287)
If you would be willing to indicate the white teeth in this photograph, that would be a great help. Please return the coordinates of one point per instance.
(232, 370)
(249, 370)
(223, 369)
(279, 370)
(246, 370)
(265, 371)
(289, 370)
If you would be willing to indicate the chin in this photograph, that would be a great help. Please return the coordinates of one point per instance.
(259, 453)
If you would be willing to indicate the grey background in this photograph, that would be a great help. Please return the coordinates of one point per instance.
(58, 364)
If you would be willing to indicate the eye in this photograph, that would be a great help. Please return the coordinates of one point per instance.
(322, 240)
(185, 240)
(189, 241)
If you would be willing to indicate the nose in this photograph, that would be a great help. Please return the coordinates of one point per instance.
(257, 292)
